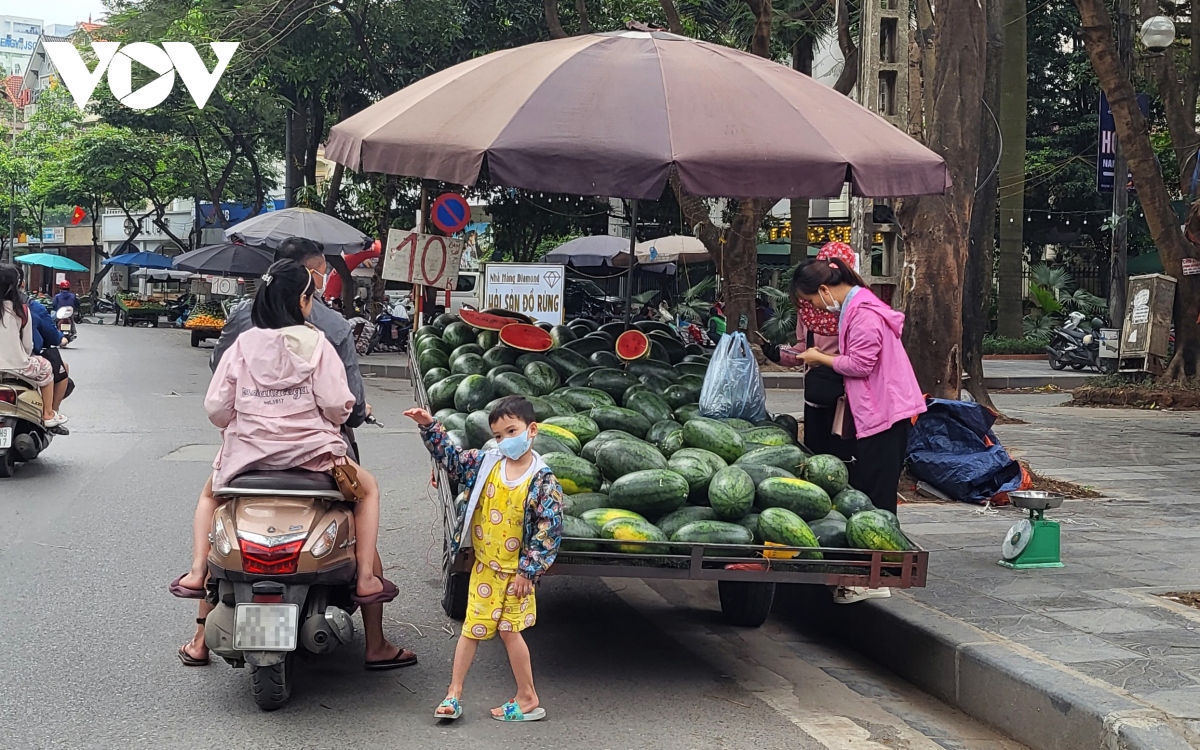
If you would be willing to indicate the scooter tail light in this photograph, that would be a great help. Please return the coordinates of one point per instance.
(8, 396)
(259, 559)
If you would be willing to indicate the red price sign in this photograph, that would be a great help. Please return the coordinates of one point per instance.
(425, 259)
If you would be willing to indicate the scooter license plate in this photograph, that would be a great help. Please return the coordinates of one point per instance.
(6, 437)
(266, 627)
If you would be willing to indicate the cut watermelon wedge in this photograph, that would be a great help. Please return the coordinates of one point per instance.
(633, 344)
(519, 317)
(485, 321)
(526, 337)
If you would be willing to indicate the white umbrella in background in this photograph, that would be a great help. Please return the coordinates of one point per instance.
(676, 248)
(592, 251)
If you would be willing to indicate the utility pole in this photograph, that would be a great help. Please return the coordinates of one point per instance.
(802, 54)
(1118, 270)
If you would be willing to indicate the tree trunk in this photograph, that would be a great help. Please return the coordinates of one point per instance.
(385, 224)
(1134, 134)
(1013, 83)
(977, 291)
(802, 54)
(1176, 99)
(585, 26)
(343, 271)
(939, 234)
(551, 9)
(848, 78)
(674, 23)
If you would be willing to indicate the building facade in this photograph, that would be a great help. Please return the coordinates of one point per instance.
(18, 37)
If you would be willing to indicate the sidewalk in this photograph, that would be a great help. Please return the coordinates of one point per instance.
(1078, 656)
(998, 374)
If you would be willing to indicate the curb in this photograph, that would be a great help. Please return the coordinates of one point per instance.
(790, 381)
(1030, 699)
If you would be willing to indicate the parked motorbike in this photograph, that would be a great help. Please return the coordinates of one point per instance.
(64, 318)
(1071, 345)
(392, 327)
(281, 576)
(23, 436)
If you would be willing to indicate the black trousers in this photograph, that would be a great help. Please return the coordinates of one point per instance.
(818, 433)
(51, 355)
(878, 461)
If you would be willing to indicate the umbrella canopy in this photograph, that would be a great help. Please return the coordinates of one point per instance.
(270, 229)
(160, 274)
(143, 260)
(594, 250)
(677, 248)
(611, 114)
(226, 260)
(49, 260)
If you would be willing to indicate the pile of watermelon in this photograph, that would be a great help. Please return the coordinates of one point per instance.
(619, 425)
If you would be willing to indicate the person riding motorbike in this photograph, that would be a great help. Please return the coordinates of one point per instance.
(67, 298)
(46, 339)
(16, 344)
(381, 654)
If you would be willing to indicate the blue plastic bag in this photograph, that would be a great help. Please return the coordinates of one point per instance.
(953, 448)
(733, 386)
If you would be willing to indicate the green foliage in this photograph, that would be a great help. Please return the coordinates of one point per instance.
(780, 329)
(1000, 345)
(692, 305)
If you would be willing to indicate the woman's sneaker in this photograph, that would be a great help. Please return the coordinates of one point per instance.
(55, 421)
(853, 594)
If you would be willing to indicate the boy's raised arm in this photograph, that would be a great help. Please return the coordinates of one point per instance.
(457, 461)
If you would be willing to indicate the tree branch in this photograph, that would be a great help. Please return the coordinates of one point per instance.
(674, 23)
(760, 43)
(848, 78)
(585, 26)
(551, 9)
(1181, 122)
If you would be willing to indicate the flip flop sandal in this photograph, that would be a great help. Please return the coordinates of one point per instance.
(451, 703)
(390, 592)
(183, 592)
(189, 660)
(396, 662)
(512, 712)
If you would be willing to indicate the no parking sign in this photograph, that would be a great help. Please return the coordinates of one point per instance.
(450, 213)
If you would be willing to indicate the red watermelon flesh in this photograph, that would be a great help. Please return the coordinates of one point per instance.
(519, 317)
(484, 320)
(527, 338)
(633, 344)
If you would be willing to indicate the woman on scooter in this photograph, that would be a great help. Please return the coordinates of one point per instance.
(16, 344)
(279, 396)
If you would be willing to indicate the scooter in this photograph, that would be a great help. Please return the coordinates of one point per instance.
(1071, 345)
(281, 575)
(23, 436)
(391, 331)
(64, 318)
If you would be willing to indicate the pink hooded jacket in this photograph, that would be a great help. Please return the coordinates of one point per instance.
(880, 385)
(278, 397)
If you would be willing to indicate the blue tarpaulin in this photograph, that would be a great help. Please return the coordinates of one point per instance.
(953, 448)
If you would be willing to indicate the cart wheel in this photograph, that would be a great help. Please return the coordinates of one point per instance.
(746, 604)
(454, 588)
(197, 337)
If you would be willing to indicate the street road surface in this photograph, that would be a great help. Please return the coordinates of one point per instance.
(95, 529)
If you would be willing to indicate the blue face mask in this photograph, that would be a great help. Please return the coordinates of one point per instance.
(516, 446)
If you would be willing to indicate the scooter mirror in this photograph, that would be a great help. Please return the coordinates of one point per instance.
(1097, 324)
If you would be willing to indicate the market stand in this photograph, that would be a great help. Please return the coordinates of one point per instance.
(621, 114)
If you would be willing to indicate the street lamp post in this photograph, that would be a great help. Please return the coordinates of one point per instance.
(1157, 34)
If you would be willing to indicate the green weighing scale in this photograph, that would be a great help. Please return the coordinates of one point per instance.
(1033, 542)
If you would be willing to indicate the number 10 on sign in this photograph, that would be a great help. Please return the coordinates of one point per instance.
(425, 259)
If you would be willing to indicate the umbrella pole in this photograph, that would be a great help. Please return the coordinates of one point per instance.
(633, 215)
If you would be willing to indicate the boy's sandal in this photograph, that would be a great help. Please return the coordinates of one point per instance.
(451, 703)
(512, 712)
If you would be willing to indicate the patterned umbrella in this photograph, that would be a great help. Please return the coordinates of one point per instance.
(611, 114)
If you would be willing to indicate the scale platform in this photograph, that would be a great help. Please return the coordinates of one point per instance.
(1033, 542)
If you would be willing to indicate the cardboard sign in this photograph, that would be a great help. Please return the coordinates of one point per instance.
(425, 259)
(533, 289)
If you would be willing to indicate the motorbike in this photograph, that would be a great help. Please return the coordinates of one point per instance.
(64, 317)
(23, 436)
(281, 576)
(391, 331)
(1071, 345)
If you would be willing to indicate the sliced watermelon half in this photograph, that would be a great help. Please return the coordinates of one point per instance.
(633, 344)
(519, 317)
(485, 321)
(526, 337)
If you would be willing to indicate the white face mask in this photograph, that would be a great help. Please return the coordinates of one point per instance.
(833, 305)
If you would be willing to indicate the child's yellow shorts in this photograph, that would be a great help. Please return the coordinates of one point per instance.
(492, 607)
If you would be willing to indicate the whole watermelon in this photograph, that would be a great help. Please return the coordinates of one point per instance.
(827, 472)
(850, 501)
(731, 493)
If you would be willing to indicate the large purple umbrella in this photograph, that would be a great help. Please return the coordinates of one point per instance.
(610, 114)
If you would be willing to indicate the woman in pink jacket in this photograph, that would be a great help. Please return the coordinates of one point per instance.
(279, 396)
(881, 389)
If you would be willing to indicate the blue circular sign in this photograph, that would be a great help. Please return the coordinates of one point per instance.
(450, 213)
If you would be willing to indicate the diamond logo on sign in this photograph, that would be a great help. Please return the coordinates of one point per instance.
(552, 277)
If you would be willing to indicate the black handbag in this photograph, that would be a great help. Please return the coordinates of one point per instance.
(823, 386)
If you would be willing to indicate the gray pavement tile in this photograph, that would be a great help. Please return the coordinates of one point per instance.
(1057, 599)
(1100, 621)
(1137, 675)
(1076, 647)
(1026, 626)
(1183, 702)
(963, 603)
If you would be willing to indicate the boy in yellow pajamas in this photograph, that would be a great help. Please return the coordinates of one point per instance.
(514, 522)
